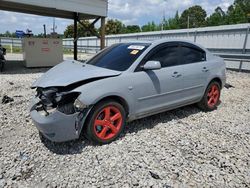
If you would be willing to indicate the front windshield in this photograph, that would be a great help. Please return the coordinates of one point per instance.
(119, 57)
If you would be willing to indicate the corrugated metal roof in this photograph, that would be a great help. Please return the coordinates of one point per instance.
(58, 8)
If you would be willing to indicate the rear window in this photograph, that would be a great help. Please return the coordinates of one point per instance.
(119, 57)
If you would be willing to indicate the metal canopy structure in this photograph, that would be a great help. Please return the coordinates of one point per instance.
(69, 9)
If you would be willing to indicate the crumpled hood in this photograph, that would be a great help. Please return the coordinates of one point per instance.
(70, 72)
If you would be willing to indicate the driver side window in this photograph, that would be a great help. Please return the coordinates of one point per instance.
(167, 56)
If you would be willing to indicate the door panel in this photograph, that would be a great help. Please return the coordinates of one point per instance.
(180, 81)
(194, 71)
(191, 82)
(151, 92)
(145, 88)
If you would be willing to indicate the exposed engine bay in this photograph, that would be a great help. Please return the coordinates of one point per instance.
(53, 98)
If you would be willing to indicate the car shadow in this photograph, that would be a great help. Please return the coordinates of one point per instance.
(77, 146)
(66, 148)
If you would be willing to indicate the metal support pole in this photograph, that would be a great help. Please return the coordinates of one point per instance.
(195, 36)
(75, 36)
(96, 45)
(88, 47)
(244, 48)
(11, 45)
(102, 33)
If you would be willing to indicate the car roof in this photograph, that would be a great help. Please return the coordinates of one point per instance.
(160, 41)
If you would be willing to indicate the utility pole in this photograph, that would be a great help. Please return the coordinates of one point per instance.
(163, 19)
(188, 24)
(44, 31)
(54, 25)
(163, 16)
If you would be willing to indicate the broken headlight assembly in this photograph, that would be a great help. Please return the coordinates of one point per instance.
(52, 99)
(79, 105)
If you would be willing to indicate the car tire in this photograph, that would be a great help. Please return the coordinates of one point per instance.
(211, 98)
(1, 65)
(105, 122)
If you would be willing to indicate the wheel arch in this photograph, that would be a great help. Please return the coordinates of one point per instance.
(216, 79)
(118, 99)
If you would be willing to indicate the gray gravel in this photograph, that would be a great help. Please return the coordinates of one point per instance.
(181, 148)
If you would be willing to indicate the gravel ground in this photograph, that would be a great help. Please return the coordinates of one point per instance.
(181, 148)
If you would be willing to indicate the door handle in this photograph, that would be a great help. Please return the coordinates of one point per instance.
(176, 75)
(205, 69)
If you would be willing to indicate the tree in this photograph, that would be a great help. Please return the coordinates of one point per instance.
(146, 28)
(82, 32)
(174, 23)
(150, 26)
(133, 29)
(114, 27)
(217, 18)
(244, 5)
(8, 34)
(235, 15)
(69, 31)
(195, 15)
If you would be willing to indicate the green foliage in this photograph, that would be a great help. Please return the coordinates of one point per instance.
(244, 5)
(193, 17)
(235, 15)
(82, 32)
(172, 23)
(114, 27)
(217, 18)
(8, 34)
(133, 29)
(150, 26)
(14, 49)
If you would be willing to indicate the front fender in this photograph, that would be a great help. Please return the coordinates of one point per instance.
(93, 92)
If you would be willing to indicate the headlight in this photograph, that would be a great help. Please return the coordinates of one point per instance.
(79, 105)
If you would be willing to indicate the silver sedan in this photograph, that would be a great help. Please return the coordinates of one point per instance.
(124, 82)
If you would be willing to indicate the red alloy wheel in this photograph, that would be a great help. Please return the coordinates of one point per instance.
(213, 96)
(108, 122)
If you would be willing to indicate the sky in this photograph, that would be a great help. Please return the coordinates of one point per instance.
(137, 12)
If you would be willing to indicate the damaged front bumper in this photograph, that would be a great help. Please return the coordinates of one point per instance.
(57, 126)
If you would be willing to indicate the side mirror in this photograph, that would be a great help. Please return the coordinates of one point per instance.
(152, 65)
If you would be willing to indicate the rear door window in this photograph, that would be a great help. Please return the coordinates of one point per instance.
(191, 55)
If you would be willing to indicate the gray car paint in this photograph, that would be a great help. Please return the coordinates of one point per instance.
(145, 92)
(69, 72)
(160, 92)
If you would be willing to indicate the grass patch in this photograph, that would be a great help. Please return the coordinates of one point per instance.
(67, 51)
(14, 49)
